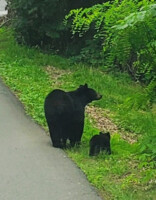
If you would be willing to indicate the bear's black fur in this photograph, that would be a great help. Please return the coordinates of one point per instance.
(99, 143)
(64, 112)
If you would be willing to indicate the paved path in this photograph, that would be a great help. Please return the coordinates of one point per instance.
(30, 168)
(2, 8)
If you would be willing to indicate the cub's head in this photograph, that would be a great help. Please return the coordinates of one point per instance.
(106, 135)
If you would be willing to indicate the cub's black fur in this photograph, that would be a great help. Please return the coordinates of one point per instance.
(99, 143)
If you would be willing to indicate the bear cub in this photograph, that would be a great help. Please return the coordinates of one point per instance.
(99, 143)
(64, 112)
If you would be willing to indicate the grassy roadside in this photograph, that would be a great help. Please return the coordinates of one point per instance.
(31, 75)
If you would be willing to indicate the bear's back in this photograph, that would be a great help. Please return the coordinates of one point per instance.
(102, 139)
(58, 97)
(58, 101)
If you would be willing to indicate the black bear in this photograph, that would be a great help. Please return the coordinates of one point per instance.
(99, 143)
(64, 112)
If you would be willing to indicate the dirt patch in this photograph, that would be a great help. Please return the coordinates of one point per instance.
(55, 74)
(99, 117)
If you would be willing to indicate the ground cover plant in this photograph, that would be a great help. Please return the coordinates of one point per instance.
(129, 172)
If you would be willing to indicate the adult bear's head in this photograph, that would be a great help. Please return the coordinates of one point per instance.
(89, 93)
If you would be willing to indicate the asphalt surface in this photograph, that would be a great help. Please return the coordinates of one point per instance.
(30, 168)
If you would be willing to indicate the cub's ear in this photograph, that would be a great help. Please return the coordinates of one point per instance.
(86, 85)
(100, 133)
(108, 134)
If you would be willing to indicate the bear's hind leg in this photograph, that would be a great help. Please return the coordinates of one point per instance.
(94, 150)
(55, 134)
(72, 142)
(106, 148)
(64, 141)
(76, 133)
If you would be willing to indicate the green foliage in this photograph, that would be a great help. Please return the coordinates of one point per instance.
(129, 173)
(40, 23)
(94, 24)
(120, 35)
(139, 33)
(85, 24)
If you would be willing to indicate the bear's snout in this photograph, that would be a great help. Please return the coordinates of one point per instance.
(99, 96)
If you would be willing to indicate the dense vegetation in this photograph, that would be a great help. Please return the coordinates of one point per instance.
(115, 35)
(118, 35)
(123, 38)
(110, 37)
(129, 173)
(41, 22)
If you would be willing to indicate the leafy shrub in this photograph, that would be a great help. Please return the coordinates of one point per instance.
(136, 34)
(95, 24)
(135, 48)
(122, 36)
(41, 22)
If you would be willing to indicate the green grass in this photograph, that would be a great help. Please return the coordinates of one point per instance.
(129, 173)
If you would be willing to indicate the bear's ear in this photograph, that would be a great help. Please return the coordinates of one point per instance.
(83, 87)
(100, 133)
